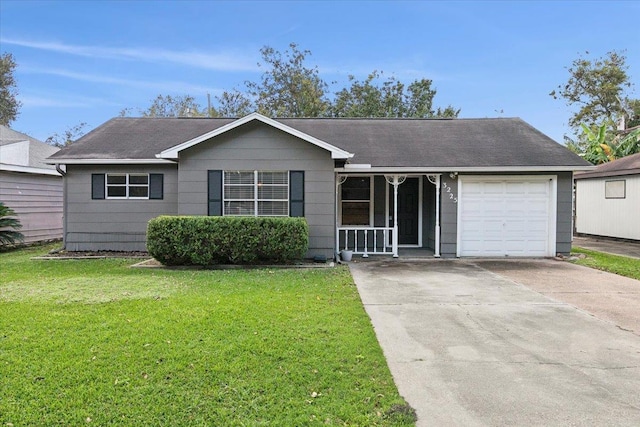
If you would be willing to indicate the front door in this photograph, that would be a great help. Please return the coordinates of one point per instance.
(408, 209)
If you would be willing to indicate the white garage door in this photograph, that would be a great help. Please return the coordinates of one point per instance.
(507, 216)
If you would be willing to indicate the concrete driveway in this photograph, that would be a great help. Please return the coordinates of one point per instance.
(472, 347)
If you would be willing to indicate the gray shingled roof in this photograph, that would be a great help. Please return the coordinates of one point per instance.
(379, 142)
(38, 150)
(629, 165)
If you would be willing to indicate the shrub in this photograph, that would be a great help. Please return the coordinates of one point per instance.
(210, 240)
(9, 225)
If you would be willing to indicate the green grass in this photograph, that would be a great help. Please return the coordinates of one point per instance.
(622, 265)
(94, 342)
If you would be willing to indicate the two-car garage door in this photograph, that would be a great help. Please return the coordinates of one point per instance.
(506, 216)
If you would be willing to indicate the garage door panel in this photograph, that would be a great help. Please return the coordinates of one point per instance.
(506, 216)
(516, 188)
(539, 188)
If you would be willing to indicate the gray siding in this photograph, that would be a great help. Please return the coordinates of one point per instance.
(448, 216)
(37, 201)
(116, 225)
(256, 146)
(564, 213)
(428, 214)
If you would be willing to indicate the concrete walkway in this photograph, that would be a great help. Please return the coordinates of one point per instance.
(471, 347)
(629, 249)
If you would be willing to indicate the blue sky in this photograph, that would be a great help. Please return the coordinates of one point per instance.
(86, 61)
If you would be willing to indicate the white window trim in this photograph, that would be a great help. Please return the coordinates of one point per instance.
(126, 185)
(370, 201)
(255, 199)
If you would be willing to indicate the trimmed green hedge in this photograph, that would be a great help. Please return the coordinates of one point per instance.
(210, 240)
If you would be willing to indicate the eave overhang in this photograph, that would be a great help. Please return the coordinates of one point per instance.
(466, 169)
(63, 161)
(28, 169)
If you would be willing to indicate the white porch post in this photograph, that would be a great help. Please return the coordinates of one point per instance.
(340, 179)
(435, 179)
(395, 180)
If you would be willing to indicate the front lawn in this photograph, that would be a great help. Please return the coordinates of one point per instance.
(622, 265)
(94, 342)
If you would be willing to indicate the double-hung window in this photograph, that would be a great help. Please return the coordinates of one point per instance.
(127, 186)
(256, 193)
(355, 200)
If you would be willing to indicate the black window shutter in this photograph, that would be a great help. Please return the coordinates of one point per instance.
(215, 192)
(156, 186)
(296, 193)
(97, 186)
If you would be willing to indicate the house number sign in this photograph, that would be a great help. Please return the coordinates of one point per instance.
(451, 195)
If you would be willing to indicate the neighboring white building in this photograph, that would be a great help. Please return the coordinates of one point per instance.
(608, 199)
(29, 186)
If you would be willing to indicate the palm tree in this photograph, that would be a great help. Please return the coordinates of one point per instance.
(8, 226)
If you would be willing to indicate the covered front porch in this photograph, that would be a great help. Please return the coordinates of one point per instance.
(388, 214)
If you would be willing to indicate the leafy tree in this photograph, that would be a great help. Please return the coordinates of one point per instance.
(598, 88)
(602, 148)
(633, 113)
(9, 104)
(9, 225)
(70, 135)
(390, 99)
(288, 88)
(628, 144)
(173, 106)
(234, 104)
(597, 150)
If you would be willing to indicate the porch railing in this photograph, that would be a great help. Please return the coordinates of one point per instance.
(366, 240)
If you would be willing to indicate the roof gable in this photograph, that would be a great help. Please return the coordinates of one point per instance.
(19, 149)
(172, 153)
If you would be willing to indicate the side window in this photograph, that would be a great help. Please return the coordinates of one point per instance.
(127, 186)
(615, 189)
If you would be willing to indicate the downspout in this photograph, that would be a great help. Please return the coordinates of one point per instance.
(64, 204)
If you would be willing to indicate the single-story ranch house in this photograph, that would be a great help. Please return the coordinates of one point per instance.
(458, 187)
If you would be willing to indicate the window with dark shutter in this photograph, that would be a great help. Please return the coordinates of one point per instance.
(156, 186)
(296, 193)
(97, 186)
(214, 181)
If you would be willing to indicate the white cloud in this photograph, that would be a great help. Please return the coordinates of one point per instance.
(223, 61)
(35, 101)
(161, 86)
